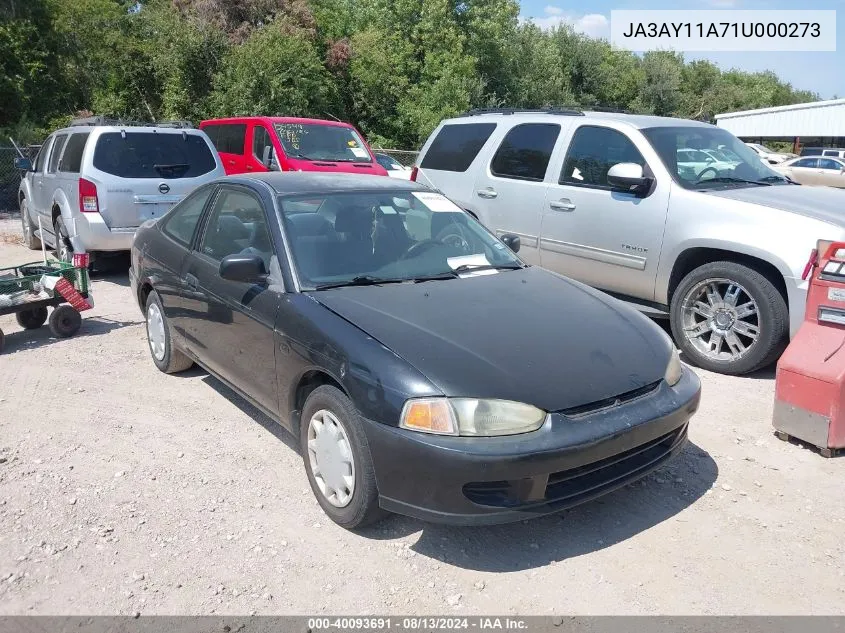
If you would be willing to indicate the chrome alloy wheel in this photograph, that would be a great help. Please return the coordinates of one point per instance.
(330, 458)
(155, 331)
(721, 319)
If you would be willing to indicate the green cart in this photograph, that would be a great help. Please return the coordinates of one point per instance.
(24, 293)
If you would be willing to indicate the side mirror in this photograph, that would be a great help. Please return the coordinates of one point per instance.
(628, 177)
(246, 268)
(269, 158)
(511, 241)
(23, 164)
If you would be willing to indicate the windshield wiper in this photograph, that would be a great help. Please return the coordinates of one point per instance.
(465, 268)
(774, 179)
(762, 183)
(161, 169)
(302, 156)
(362, 280)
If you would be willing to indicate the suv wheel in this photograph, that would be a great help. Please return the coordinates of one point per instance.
(729, 318)
(63, 251)
(29, 239)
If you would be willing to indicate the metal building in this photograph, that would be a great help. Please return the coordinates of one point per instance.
(820, 123)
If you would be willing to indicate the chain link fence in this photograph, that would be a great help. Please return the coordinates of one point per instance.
(10, 177)
(406, 157)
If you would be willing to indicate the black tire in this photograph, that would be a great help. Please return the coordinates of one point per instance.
(172, 360)
(65, 321)
(772, 320)
(32, 319)
(28, 230)
(363, 508)
(63, 250)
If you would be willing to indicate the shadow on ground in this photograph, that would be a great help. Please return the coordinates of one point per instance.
(24, 340)
(607, 521)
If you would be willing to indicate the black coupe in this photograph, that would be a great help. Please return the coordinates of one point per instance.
(425, 369)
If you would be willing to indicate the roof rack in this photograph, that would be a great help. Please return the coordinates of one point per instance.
(102, 120)
(558, 111)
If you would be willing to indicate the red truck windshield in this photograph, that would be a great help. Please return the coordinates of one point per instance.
(312, 141)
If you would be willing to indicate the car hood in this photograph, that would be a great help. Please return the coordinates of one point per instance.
(821, 203)
(526, 335)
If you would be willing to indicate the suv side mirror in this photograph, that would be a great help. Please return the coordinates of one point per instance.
(511, 241)
(23, 164)
(628, 177)
(269, 158)
(246, 268)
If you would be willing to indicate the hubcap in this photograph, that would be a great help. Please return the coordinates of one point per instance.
(330, 458)
(721, 319)
(155, 331)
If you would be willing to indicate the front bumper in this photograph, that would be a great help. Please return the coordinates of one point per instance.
(89, 233)
(477, 481)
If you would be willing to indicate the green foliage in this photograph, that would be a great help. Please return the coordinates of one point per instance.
(394, 68)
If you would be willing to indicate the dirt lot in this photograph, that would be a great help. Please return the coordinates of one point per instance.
(124, 490)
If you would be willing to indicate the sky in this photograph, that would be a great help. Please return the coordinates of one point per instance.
(823, 73)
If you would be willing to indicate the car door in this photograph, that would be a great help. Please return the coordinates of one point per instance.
(231, 143)
(511, 186)
(232, 330)
(38, 204)
(51, 181)
(591, 232)
(829, 173)
(804, 171)
(262, 158)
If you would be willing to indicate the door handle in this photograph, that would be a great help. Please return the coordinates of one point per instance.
(249, 167)
(191, 281)
(562, 205)
(488, 193)
(231, 162)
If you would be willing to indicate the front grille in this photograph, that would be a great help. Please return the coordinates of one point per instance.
(609, 403)
(570, 487)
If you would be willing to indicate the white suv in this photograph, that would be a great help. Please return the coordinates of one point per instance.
(607, 199)
(93, 183)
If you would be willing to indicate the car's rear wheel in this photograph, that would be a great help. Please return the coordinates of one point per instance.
(63, 250)
(729, 318)
(29, 239)
(165, 356)
(337, 459)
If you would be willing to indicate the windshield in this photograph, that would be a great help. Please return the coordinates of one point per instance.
(347, 238)
(315, 141)
(707, 158)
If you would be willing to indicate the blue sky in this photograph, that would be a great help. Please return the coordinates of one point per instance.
(823, 73)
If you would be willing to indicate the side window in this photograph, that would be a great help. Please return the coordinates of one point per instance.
(42, 155)
(228, 138)
(830, 152)
(525, 151)
(72, 159)
(592, 152)
(456, 146)
(806, 162)
(56, 154)
(827, 163)
(237, 225)
(181, 223)
(262, 145)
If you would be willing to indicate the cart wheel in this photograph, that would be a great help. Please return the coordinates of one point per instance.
(32, 319)
(65, 321)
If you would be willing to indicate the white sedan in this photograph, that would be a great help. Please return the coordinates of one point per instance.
(394, 168)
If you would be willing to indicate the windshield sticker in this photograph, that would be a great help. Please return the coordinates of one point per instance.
(436, 202)
(471, 260)
(359, 152)
(576, 174)
(352, 143)
(387, 210)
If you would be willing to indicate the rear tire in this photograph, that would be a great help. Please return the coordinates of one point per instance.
(32, 319)
(29, 239)
(729, 318)
(65, 321)
(329, 405)
(167, 358)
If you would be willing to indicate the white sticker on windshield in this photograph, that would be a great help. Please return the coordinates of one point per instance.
(576, 174)
(387, 210)
(436, 202)
(471, 260)
(359, 152)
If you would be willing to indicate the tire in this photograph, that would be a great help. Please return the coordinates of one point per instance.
(32, 319)
(2, 341)
(29, 239)
(748, 324)
(167, 358)
(361, 508)
(65, 321)
(63, 250)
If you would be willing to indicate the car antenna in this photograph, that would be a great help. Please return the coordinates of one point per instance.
(333, 116)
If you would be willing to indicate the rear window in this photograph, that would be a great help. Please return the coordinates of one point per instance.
(153, 155)
(72, 158)
(811, 151)
(525, 151)
(227, 137)
(456, 146)
(831, 152)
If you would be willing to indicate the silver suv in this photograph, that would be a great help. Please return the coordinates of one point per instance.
(93, 183)
(677, 217)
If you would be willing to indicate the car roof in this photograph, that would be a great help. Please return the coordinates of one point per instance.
(276, 119)
(294, 182)
(639, 121)
(129, 129)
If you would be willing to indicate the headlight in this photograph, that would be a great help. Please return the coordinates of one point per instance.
(674, 369)
(470, 416)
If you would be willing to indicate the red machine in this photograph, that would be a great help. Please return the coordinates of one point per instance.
(810, 383)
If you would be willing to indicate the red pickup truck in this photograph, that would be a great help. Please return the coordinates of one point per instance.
(259, 144)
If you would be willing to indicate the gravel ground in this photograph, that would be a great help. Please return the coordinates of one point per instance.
(123, 490)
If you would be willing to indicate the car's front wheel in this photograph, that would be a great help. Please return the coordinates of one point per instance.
(729, 318)
(167, 358)
(337, 459)
(29, 239)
